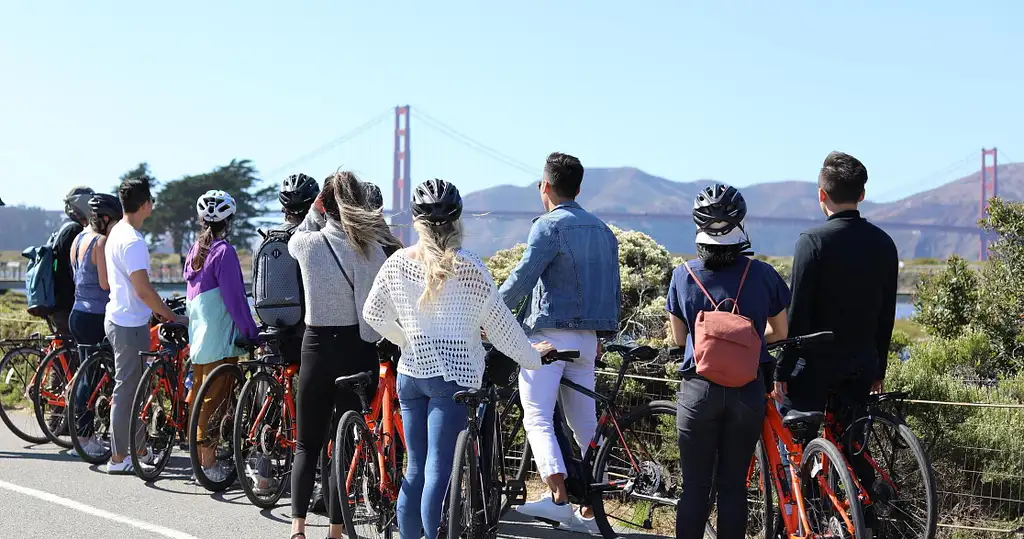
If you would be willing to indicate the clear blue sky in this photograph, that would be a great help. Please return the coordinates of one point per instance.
(740, 92)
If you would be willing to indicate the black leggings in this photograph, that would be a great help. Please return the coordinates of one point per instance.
(327, 353)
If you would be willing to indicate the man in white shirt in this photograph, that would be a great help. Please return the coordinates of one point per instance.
(132, 301)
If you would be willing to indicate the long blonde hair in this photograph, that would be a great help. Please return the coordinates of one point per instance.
(439, 247)
(344, 201)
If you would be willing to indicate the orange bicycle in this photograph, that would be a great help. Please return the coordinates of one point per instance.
(814, 489)
(902, 498)
(369, 451)
(159, 411)
(50, 389)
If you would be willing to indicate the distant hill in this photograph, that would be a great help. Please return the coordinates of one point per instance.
(629, 190)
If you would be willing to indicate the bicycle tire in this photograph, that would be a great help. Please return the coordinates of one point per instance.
(465, 462)
(241, 429)
(923, 465)
(233, 375)
(764, 492)
(46, 421)
(160, 369)
(855, 512)
(104, 362)
(610, 436)
(21, 362)
(369, 523)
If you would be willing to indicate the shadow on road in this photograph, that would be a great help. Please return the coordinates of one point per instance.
(60, 457)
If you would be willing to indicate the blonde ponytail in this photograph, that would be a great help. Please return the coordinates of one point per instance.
(439, 246)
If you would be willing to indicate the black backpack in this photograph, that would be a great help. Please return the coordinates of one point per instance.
(276, 281)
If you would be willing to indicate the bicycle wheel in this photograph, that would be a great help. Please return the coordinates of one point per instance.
(225, 382)
(356, 471)
(17, 393)
(760, 499)
(903, 496)
(465, 507)
(89, 407)
(263, 460)
(639, 461)
(830, 501)
(153, 417)
(52, 380)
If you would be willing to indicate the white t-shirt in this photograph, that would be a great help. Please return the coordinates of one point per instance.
(126, 252)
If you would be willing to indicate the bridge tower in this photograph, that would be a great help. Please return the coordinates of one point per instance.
(989, 176)
(401, 193)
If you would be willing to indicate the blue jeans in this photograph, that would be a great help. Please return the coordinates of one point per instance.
(432, 422)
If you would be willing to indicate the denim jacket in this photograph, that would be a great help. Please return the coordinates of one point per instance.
(571, 266)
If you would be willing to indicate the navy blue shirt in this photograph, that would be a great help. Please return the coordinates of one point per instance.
(764, 295)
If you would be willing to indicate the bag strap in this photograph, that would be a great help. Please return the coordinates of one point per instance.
(701, 285)
(735, 302)
(338, 261)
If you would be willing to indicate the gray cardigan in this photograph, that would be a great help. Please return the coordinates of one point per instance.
(330, 301)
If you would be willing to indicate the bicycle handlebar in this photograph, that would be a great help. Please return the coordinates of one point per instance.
(803, 340)
(560, 355)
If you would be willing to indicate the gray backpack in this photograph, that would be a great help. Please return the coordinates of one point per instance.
(276, 281)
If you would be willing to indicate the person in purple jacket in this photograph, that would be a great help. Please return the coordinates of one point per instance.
(218, 312)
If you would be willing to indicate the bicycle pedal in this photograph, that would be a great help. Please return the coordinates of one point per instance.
(515, 492)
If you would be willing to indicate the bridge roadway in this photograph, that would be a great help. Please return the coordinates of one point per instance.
(46, 492)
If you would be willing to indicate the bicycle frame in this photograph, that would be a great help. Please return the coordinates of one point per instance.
(834, 435)
(284, 377)
(384, 419)
(174, 383)
(774, 434)
(57, 399)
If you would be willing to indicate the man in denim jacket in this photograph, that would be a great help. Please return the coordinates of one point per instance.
(571, 272)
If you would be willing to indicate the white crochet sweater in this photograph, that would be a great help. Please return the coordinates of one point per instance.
(443, 337)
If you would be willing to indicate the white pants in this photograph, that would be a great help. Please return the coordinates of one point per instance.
(538, 390)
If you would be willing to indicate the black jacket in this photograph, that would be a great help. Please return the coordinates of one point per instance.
(63, 278)
(844, 281)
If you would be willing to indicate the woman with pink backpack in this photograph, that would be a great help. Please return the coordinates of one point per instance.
(723, 307)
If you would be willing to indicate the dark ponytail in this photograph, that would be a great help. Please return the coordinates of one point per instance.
(716, 257)
(211, 232)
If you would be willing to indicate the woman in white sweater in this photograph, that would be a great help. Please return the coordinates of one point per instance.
(432, 299)
(338, 264)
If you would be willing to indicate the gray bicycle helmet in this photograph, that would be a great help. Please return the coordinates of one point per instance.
(436, 202)
(76, 203)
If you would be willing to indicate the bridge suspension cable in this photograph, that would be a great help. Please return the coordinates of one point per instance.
(366, 126)
(933, 179)
(473, 144)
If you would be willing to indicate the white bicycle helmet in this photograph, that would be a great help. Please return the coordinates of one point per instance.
(215, 206)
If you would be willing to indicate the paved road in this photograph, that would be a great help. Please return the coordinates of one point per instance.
(46, 492)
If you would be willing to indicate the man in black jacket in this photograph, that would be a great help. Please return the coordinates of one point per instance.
(844, 281)
(76, 207)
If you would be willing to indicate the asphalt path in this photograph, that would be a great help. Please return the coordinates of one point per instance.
(47, 492)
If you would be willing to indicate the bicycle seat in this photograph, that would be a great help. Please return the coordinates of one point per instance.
(472, 397)
(353, 381)
(271, 334)
(796, 417)
(633, 353)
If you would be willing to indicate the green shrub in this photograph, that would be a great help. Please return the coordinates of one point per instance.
(946, 301)
(15, 322)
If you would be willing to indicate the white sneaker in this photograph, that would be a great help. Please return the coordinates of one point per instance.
(122, 468)
(581, 524)
(545, 509)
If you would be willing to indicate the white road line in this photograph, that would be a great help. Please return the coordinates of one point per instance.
(88, 509)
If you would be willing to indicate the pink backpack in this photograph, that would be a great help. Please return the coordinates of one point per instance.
(726, 346)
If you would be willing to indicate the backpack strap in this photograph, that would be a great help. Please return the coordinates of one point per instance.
(736, 302)
(701, 285)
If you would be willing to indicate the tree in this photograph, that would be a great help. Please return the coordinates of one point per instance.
(946, 301)
(140, 171)
(175, 212)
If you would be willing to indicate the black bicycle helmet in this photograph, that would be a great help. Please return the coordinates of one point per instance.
(718, 209)
(436, 202)
(102, 204)
(374, 198)
(298, 191)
